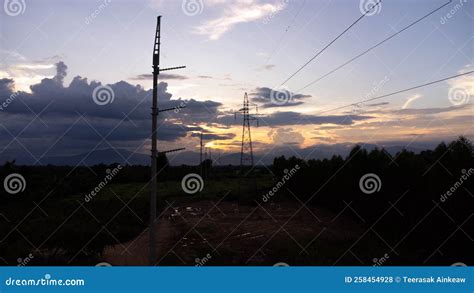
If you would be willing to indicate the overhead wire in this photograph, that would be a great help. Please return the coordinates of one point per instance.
(374, 46)
(396, 92)
(330, 43)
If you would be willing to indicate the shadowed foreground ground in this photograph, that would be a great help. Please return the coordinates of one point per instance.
(224, 233)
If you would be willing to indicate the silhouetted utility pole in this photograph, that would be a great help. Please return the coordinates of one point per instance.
(200, 155)
(154, 152)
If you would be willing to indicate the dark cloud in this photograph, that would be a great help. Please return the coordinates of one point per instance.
(61, 72)
(59, 119)
(279, 119)
(213, 135)
(378, 104)
(162, 76)
(267, 67)
(295, 118)
(270, 98)
(167, 76)
(6, 87)
(427, 111)
(78, 98)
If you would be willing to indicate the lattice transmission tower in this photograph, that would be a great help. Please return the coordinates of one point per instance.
(246, 150)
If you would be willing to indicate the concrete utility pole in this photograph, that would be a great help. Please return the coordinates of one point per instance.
(154, 151)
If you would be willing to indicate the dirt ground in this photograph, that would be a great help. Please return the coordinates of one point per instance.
(225, 233)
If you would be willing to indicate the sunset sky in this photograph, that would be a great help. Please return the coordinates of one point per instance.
(55, 53)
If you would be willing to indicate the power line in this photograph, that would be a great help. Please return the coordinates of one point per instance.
(373, 47)
(397, 92)
(330, 43)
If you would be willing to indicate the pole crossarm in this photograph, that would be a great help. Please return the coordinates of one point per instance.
(172, 151)
(171, 109)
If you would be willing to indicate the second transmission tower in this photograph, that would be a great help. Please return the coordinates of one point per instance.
(246, 150)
